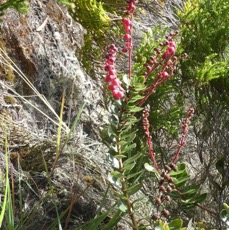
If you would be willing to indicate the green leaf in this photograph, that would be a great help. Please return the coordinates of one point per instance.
(195, 200)
(200, 198)
(94, 223)
(190, 190)
(150, 168)
(181, 166)
(161, 226)
(226, 207)
(134, 109)
(126, 80)
(120, 156)
(223, 215)
(122, 207)
(122, 143)
(135, 98)
(132, 159)
(175, 224)
(129, 147)
(179, 172)
(116, 174)
(181, 181)
(129, 137)
(129, 167)
(174, 195)
(133, 189)
(113, 221)
(134, 174)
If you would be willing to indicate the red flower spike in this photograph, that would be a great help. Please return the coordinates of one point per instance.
(172, 44)
(124, 50)
(164, 74)
(107, 68)
(112, 87)
(112, 72)
(127, 37)
(116, 82)
(117, 94)
(109, 78)
(128, 45)
(171, 50)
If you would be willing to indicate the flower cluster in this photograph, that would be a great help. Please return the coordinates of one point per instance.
(185, 124)
(131, 6)
(167, 59)
(127, 25)
(146, 125)
(111, 78)
(170, 51)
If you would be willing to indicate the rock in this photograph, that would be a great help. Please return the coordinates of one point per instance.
(43, 44)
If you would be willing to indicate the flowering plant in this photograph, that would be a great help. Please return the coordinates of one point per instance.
(131, 94)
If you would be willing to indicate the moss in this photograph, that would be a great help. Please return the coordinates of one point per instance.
(10, 100)
(6, 72)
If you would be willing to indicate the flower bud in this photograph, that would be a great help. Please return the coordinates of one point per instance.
(165, 213)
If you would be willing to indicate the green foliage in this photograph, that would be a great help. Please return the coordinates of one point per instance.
(224, 214)
(173, 225)
(94, 18)
(205, 35)
(91, 14)
(21, 6)
(188, 195)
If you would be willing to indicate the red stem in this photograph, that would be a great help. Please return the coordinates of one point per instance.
(184, 134)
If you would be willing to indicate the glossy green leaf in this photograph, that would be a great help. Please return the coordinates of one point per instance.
(134, 174)
(177, 173)
(150, 168)
(180, 182)
(133, 189)
(94, 223)
(174, 195)
(181, 166)
(129, 147)
(161, 226)
(131, 159)
(134, 109)
(190, 190)
(139, 87)
(122, 207)
(116, 174)
(175, 224)
(120, 156)
(128, 167)
(113, 221)
(201, 198)
(135, 98)
(195, 200)
(126, 80)
(223, 215)
(129, 138)
(226, 208)
(122, 143)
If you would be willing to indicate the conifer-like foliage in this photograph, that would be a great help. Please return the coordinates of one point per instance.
(19, 5)
(205, 36)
